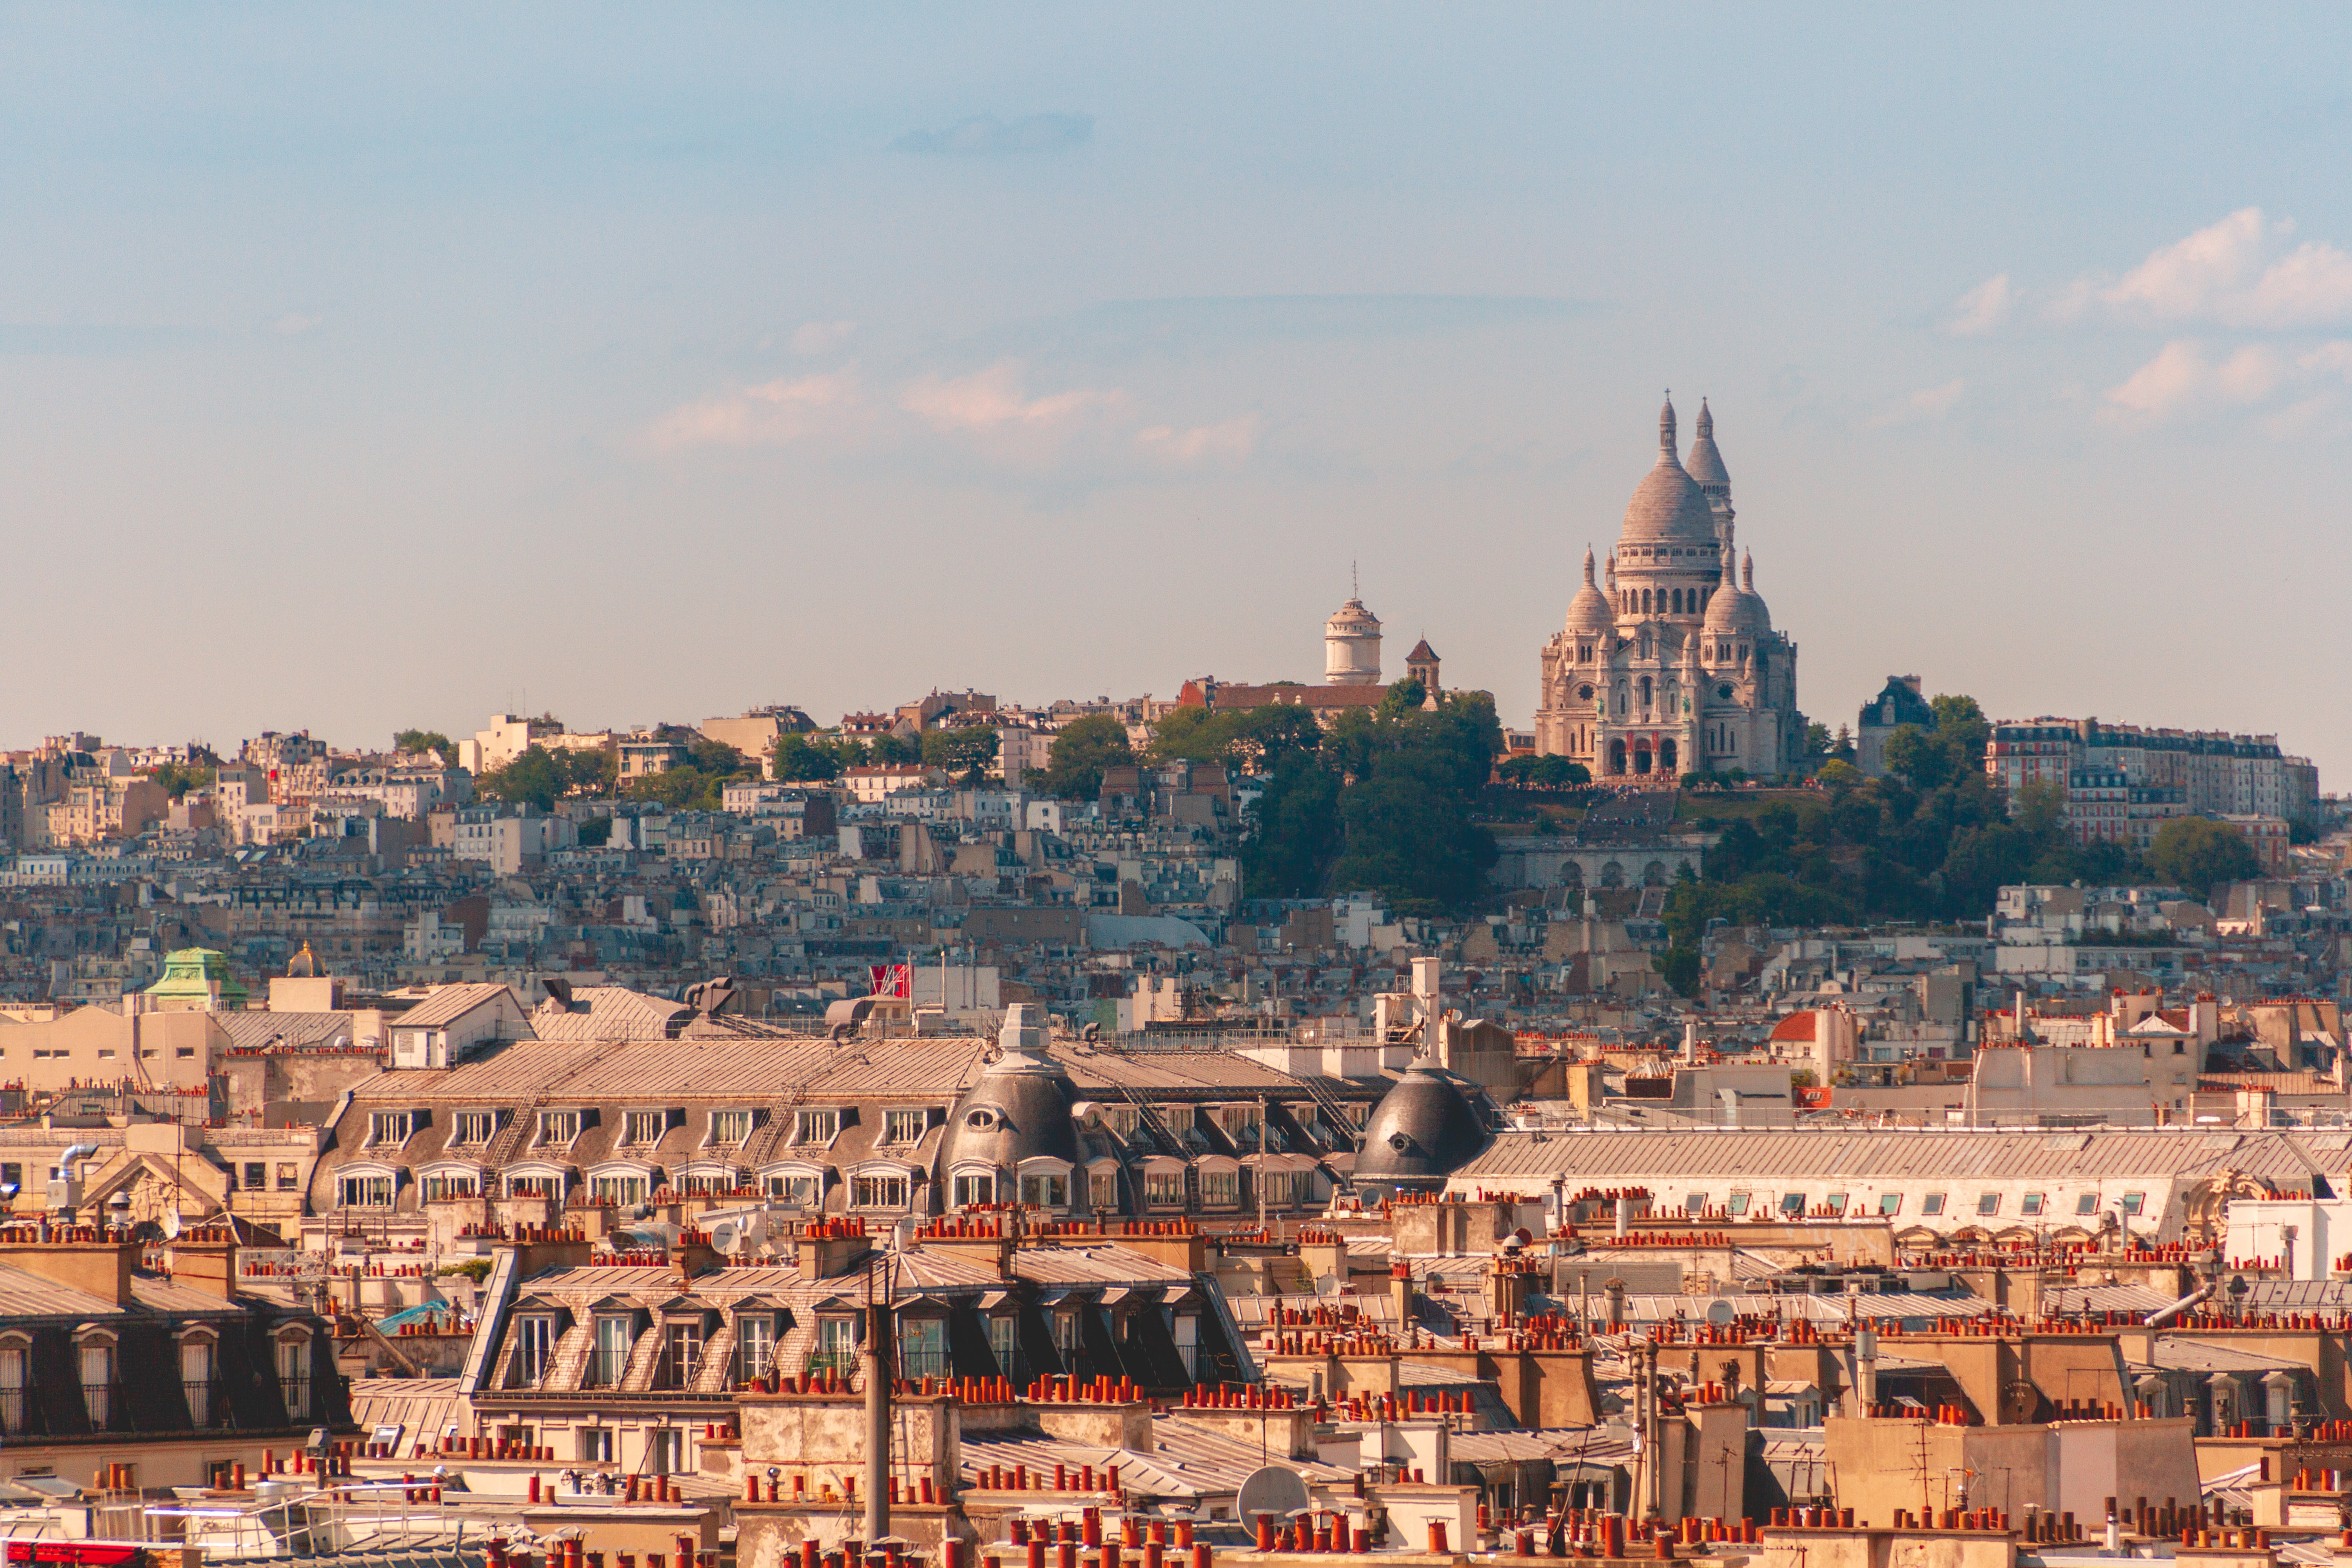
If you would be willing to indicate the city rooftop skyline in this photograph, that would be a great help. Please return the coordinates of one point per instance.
(368, 370)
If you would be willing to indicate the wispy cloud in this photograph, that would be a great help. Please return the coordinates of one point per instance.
(986, 136)
(774, 414)
(1982, 308)
(821, 337)
(993, 399)
(2184, 379)
(2238, 272)
(1931, 403)
(1229, 441)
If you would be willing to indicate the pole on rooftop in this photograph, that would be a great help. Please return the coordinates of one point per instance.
(879, 1361)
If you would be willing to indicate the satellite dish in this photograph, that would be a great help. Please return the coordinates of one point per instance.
(1326, 1284)
(1720, 1313)
(172, 1225)
(1271, 1488)
(726, 1236)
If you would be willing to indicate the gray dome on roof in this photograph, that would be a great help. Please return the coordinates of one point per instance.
(1705, 464)
(1732, 610)
(1668, 507)
(1019, 1106)
(1588, 611)
(1429, 1125)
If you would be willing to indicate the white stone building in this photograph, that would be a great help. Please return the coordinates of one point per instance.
(1674, 668)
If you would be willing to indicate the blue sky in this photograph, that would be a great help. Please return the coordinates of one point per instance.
(365, 367)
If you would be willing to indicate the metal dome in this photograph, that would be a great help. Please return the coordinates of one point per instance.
(1705, 464)
(1019, 1106)
(1588, 611)
(1429, 1125)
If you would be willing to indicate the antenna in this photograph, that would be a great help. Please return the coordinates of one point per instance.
(1355, 582)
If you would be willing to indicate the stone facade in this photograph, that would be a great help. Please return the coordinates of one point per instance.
(1674, 668)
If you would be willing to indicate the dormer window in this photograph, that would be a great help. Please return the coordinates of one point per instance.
(731, 1127)
(392, 1127)
(472, 1127)
(817, 1127)
(557, 1129)
(534, 1349)
(903, 1126)
(645, 1126)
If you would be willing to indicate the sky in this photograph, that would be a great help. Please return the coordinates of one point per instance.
(371, 367)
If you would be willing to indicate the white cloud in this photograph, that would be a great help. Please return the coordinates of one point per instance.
(821, 337)
(2183, 380)
(2233, 274)
(1982, 308)
(769, 415)
(1930, 403)
(1231, 440)
(992, 399)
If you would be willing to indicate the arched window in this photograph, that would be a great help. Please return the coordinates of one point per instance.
(1645, 601)
(1678, 601)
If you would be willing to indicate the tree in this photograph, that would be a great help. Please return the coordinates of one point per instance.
(2198, 852)
(1291, 833)
(800, 760)
(1918, 756)
(176, 779)
(1081, 752)
(1194, 734)
(534, 778)
(965, 753)
(2039, 808)
(1840, 775)
(895, 751)
(591, 773)
(1960, 724)
(414, 743)
(1679, 967)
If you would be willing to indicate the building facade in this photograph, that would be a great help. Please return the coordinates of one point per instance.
(1673, 667)
(2214, 773)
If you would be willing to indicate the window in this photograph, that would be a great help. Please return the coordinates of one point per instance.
(366, 1192)
(622, 1190)
(97, 1384)
(1221, 1189)
(197, 1380)
(2087, 1203)
(665, 1451)
(597, 1446)
(2029, 1206)
(645, 1126)
(294, 1376)
(1165, 1188)
(730, 1126)
(1045, 1189)
(1694, 1203)
(1988, 1203)
(12, 1176)
(1932, 1204)
(836, 1346)
(257, 1175)
(391, 1127)
(1834, 1203)
(1281, 1188)
(610, 1360)
(1066, 1337)
(880, 1192)
(1792, 1202)
(1102, 1190)
(13, 1360)
(802, 1190)
(558, 1128)
(534, 1348)
(1241, 1124)
(474, 1127)
(1890, 1203)
(1121, 1120)
(755, 1344)
(682, 1353)
(445, 1186)
(2132, 1201)
(290, 1176)
(922, 1347)
(902, 1126)
(1739, 1205)
(978, 1189)
(817, 1127)
(1000, 1331)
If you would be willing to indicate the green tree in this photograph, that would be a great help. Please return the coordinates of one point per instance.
(414, 743)
(1679, 967)
(1194, 734)
(895, 751)
(802, 760)
(534, 778)
(1839, 774)
(964, 753)
(176, 779)
(1081, 752)
(2198, 852)
(1918, 756)
(1960, 724)
(1291, 833)
(589, 773)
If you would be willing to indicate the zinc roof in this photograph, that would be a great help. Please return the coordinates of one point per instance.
(1894, 1154)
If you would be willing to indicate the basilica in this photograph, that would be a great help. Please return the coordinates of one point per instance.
(1669, 665)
